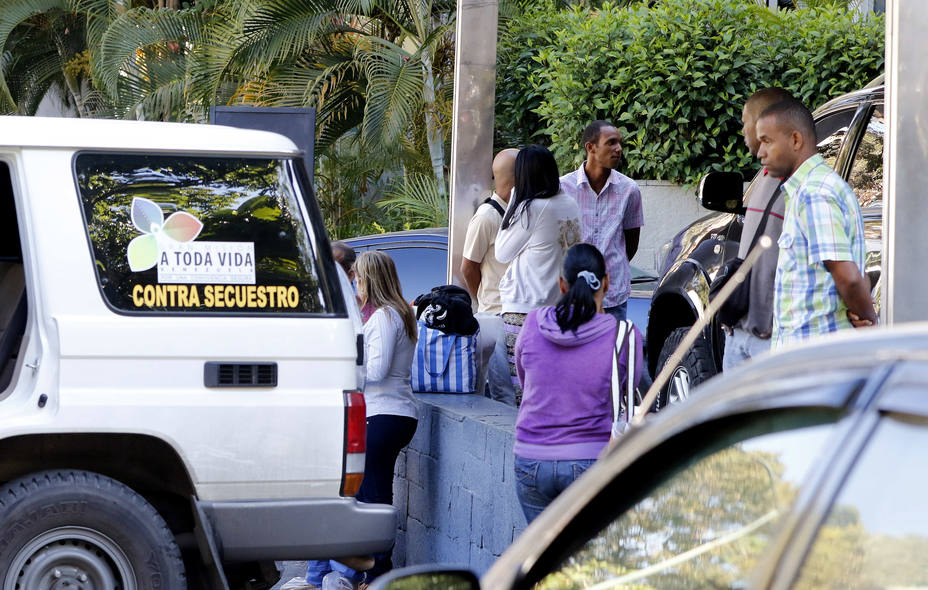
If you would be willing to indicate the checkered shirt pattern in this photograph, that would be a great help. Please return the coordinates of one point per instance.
(603, 221)
(822, 222)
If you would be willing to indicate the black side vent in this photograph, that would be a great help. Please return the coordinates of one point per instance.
(240, 374)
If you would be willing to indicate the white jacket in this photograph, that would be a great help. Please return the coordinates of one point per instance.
(388, 354)
(534, 245)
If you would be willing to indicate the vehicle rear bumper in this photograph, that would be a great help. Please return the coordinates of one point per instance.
(299, 529)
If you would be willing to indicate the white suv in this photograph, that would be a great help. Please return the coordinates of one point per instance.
(179, 362)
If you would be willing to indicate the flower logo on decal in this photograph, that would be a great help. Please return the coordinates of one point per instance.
(147, 217)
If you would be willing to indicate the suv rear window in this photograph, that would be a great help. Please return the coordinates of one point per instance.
(198, 234)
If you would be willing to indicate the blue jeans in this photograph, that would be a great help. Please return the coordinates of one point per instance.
(742, 346)
(538, 483)
(619, 312)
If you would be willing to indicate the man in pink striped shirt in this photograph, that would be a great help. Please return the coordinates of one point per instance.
(610, 209)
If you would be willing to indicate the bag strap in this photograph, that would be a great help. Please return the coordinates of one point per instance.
(495, 205)
(630, 367)
(763, 221)
(623, 332)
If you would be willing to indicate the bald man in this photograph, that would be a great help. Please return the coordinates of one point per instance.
(750, 336)
(482, 273)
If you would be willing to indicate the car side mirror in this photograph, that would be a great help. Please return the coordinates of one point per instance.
(427, 577)
(722, 191)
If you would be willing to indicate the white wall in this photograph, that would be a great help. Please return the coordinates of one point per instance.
(668, 208)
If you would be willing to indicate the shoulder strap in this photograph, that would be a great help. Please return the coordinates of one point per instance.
(630, 368)
(763, 221)
(623, 333)
(495, 205)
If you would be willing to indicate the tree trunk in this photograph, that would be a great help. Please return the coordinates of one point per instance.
(73, 85)
(432, 129)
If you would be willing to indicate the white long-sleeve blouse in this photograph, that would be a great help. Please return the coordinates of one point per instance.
(388, 354)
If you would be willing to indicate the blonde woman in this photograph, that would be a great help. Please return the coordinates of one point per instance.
(392, 416)
(389, 346)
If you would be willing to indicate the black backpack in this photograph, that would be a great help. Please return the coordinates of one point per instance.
(447, 308)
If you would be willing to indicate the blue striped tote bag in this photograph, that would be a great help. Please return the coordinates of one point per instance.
(444, 363)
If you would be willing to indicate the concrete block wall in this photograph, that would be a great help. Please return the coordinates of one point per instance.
(454, 486)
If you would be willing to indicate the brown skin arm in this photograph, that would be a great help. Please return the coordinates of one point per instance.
(470, 270)
(854, 289)
(631, 241)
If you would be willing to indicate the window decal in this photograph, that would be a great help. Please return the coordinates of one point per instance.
(144, 251)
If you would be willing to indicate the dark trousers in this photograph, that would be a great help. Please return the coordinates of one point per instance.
(386, 436)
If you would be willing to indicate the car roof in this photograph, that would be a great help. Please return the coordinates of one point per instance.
(148, 136)
(431, 234)
(851, 99)
(842, 352)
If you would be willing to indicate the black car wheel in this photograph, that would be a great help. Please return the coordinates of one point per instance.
(697, 366)
(76, 529)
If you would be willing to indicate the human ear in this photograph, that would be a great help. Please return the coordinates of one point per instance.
(797, 140)
(561, 283)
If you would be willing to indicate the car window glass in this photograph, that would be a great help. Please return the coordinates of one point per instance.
(198, 234)
(867, 171)
(876, 533)
(419, 269)
(831, 131)
(706, 526)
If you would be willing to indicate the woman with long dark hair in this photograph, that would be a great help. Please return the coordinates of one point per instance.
(564, 359)
(540, 224)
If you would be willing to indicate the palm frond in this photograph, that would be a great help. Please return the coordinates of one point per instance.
(394, 93)
(14, 14)
(421, 199)
(140, 29)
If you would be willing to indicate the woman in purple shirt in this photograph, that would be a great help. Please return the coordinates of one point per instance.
(564, 360)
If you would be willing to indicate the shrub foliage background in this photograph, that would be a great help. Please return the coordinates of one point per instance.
(673, 76)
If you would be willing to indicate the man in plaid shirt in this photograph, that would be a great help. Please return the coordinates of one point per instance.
(820, 285)
(610, 209)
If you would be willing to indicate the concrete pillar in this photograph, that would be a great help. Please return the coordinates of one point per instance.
(472, 130)
(905, 241)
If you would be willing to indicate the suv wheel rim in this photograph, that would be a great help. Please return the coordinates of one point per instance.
(70, 558)
(679, 385)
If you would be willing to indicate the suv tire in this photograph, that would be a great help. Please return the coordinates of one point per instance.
(86, 527)
(696, 366)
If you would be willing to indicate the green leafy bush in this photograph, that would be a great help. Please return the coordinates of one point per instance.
(673, 76)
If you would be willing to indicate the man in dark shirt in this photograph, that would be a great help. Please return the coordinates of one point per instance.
(751, 335)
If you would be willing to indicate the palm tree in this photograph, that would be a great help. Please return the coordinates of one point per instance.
(43, 48)
(372, 64)
(142, 62)
(101, 57)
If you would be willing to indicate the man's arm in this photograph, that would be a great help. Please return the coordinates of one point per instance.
(470, 270)
(634, 219)
(631, 241)
(854, 289)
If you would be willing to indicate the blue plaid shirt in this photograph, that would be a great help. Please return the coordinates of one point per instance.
(822, 222)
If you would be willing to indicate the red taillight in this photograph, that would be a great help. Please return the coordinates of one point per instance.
(355, 442)
(355, 423)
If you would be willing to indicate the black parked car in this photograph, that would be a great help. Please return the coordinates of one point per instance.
(801, 471)
(851, 131)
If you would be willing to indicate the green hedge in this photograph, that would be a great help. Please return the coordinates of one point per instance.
(673, 77)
